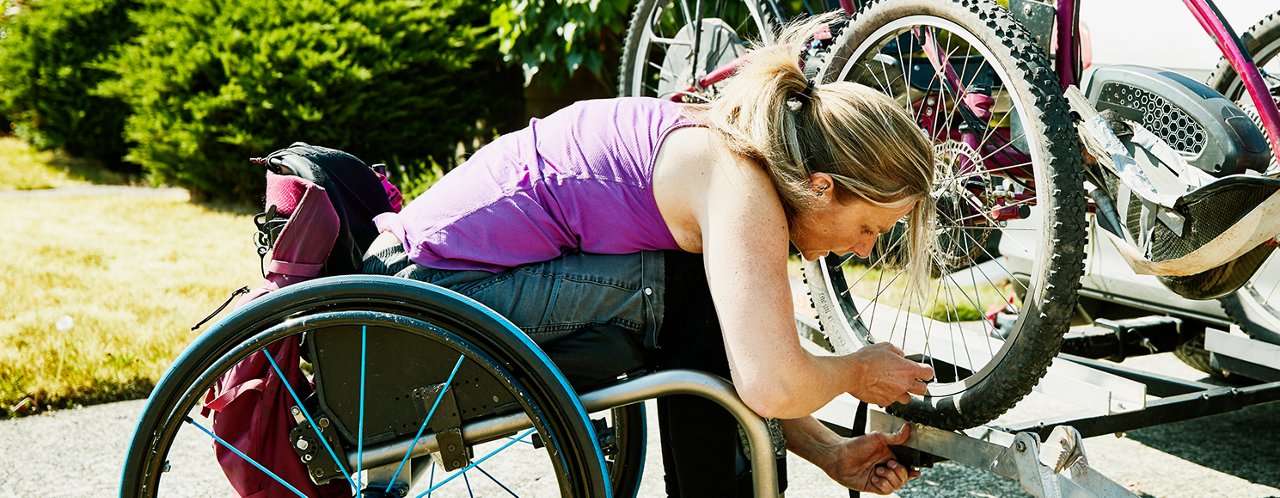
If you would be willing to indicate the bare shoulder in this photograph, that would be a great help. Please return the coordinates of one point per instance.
(697, 179)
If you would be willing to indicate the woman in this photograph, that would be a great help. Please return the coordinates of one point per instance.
(630, 234)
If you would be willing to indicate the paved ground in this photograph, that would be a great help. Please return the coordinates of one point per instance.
(79, 453)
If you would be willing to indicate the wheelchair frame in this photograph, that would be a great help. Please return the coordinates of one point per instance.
(329, 301)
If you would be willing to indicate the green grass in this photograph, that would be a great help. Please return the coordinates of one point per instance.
(24, 168)
(132, 273)
(952, 302)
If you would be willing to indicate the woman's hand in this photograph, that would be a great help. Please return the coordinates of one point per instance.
(886, 377)
(865, 463)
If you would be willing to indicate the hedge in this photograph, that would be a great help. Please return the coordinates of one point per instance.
(212, 83)
(48, 51)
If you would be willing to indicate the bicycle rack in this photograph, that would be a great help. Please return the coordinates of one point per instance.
(1046, 455)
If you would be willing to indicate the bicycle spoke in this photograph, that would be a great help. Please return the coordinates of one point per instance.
(467, 482)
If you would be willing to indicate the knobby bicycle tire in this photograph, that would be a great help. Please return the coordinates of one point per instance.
(1054, 279)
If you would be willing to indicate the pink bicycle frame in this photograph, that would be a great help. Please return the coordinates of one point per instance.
(1066, 61)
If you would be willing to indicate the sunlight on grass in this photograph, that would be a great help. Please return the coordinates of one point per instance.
(132, 274)
(24, 168)
(957, 301)
(947, 300)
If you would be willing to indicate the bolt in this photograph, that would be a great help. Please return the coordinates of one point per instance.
(1021, 446)
(295, 411)
(453, 448)
(307, 457)
(495, 398)
(324, 422)
(303, 444)
(318, 473)
(167, 466)
(928, 112)
(1026, 10)
(455, 464)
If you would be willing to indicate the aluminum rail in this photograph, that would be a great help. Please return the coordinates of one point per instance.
(663, 383)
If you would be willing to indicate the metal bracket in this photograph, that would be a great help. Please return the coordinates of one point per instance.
(1019, 457)
(305, 440)
(446, 423)
(1037, 16)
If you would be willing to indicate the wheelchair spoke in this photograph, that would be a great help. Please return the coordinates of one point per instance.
(303, 409)
(431, 480)
(364, 342)
(467, 482)
(431, 412)
(495, 481)
(477, 462)
(244, 456)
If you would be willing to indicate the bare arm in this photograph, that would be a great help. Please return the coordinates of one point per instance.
(744, 242)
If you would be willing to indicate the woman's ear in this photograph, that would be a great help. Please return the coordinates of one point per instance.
(822, 185)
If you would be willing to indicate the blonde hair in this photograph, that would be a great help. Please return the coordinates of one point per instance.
(861, 137)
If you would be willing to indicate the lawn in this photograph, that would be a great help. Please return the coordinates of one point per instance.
(100, 291)
(23, 168)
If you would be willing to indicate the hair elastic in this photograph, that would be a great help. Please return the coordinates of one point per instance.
(801, 98)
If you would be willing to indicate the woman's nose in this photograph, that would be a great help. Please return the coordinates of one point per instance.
(863, 247)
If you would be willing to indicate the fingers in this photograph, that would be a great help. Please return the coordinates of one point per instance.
(918, 386)
(924, 372)
(900, 437)
(904, 399)
(889, 477)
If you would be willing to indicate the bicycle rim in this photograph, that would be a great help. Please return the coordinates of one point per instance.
(1010, 215)
(671, 44)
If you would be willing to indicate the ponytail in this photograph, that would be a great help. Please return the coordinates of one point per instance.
(793, 127)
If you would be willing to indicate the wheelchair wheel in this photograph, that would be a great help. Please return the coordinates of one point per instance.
(1010, 208)
(393, 382)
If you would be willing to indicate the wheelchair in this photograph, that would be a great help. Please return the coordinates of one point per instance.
(416, 389)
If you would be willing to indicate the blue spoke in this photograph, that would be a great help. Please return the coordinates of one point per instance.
(364, 341)
(530, 443)
(285, 380)
(495, 481)
(434, 404)
(433, 477)
(244, 456)
(477, 462)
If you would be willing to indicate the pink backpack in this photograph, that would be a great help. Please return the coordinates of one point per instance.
(320, 205)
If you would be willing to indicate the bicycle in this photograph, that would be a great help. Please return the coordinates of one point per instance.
(1016, 203)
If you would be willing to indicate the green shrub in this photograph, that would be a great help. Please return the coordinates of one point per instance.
(212, 83)
(555, 38)
(47, 53)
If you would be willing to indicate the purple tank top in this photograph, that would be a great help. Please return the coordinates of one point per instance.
(579, 180)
